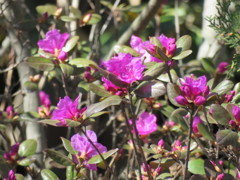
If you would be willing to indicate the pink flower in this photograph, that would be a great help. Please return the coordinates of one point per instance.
(10, 112)
(236, 113)
(53, 44)
(196, 120)
(44, 99)
(222, 67)
(126, 68)
(12, 154)
(229, 97)
(169, 47)
(11, 175)
(220, 177)
(146, 123)
(85, 148)
(68, 109)
(193, 91)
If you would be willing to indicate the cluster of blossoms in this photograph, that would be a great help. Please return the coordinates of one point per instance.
(44, 111)
(12, 155)
(68, 109)
(236, 114)
(169, 47)
(11, 176)
(127, 68)
(154, 172)
(193, 91)
(146, 124)
(85, 149)
(54, 43)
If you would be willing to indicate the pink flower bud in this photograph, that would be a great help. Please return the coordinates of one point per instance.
(181, 100)
(200, 100)
(222, 67)
(220, 177)
(197, 120)
(62, 55)
(236, 113)
(232, 123)
(161, 143)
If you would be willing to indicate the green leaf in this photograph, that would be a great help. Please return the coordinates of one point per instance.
(165, 77)
(67, 145)
(161, 55)
(99, 91)
(182, 55)
(227, 137)
(208, 65)
(205, 132)
(178, 116)
(26, 161)
(31, 86)
(71, 173)
(184, 43)
(150, 89)
(71, 43)
(109, 101)
(40, 63)
(19, 176)
(50, 122)
(59, 157)
(220, 114)
(125, 49)
(154, 71)
(68, 18)
(27, 148)
(49, 8)
(72, 123)
(155, 41)
(223, 87)
(196, 166)
(66, 69)
(47, 174)
(84, 86)
(95, 18)
(76, 12)
(97, 159)
(81, 62)
(99, 114)
(173, 91)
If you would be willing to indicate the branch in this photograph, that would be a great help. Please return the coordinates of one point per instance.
(139, 23)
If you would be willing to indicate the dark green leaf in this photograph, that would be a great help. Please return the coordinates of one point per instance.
(182, 55)
(99, 91)
(208, 65)
(125, 49)
(97, 159)
(49, 8)
(173, 91)
(26, 161)
(71, 173)
(47, 174)
(66, 69)
(205, 132)
(223, 87)
(81, 62)
(40, 63)
(59, 157)
(71, 43)
(31, 86)
(67, 145)
(220, 114)
(154, 71)
(150, 89)
(227, 137)
(196, 166)
(110, 101)
(27, 148)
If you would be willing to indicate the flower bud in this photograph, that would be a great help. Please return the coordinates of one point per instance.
(200, 100)
(181, 100)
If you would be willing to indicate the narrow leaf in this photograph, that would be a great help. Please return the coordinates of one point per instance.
(125, 49)
(154, 71)
(50, 122)
(99, 91)
(67, 145)
(47, 174)
(173, 91)
(81, 62)
(71, 43)
(97, 159)
(182, 55)
(27, 148)
(59, 157)
(40, 63)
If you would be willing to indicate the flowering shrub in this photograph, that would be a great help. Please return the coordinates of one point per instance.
(146, 113)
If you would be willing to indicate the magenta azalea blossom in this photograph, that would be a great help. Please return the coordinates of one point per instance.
(146, 123)
(53, 44)
(193, 91)
(196, 120)
(85, 148)
(126, 68)
(236, 113)
(68, 109)
(12, 154)
(169, 47)
(222, 67)
(44, 99)
(11, 175)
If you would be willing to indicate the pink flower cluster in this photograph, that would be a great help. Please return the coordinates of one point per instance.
(126, 67)
(169, 47)
(53, 44)
(236, 114)
(11, 156)
(11, 175)
(85, 149)
(193, 91)
(146, 123)
(68, 109)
